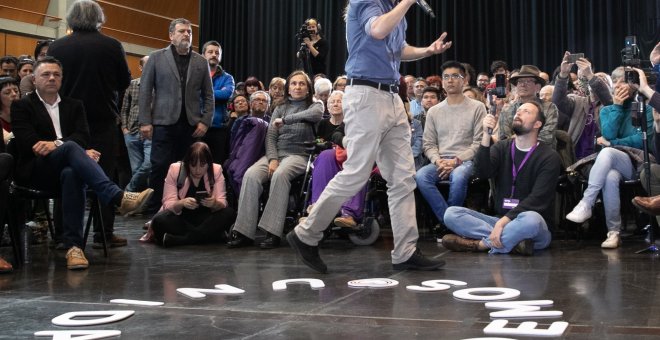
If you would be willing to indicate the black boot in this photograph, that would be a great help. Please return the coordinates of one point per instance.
(271, 241)
(238, 240)
(170, 240)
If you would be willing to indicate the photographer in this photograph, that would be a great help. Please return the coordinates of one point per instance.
(314, 49)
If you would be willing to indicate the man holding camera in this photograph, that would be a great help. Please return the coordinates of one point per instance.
(377, 130)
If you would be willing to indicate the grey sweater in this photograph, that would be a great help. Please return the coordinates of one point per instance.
(299, 120)
(454, 130)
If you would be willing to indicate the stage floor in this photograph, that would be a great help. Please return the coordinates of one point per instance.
(603, 294)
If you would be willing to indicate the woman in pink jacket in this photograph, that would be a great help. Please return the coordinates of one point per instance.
(194, 207)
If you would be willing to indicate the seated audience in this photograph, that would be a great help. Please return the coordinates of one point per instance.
(581, 112)
(194, 207)
(327, 126)
(416, 108)
(322, 89)
(526, 173)
(474, 93)
(240, 107)
(40, 51)
(252, 85)
(451, 139)
(9, 66)
(259, 103)
(6, 167)
(431, 96)
(528, 84)
(25, 67)
(291, 126)
(276, 93)
(8, 94)
(482, 81)
(620, 139)
(434, 81)
(340, 83)
(546, 93)
(58, 145)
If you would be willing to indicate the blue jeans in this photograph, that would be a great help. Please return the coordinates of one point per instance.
(67, 170)
(139, 154)
(427, 180)
(475, 225)
(610, 167)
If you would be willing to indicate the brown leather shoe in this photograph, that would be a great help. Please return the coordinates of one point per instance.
(649, 205)
(114, 241)
(457, 243)
(345, 222)
(5, 267)
(75, 259)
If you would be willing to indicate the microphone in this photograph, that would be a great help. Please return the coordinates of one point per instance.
(425, 6)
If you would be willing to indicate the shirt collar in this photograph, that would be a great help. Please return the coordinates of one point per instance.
(43, 101)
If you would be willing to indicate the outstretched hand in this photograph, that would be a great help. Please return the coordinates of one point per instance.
(439, 46)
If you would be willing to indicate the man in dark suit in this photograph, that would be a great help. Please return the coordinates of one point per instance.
(96, 73)
(176, 103)
(51, 134)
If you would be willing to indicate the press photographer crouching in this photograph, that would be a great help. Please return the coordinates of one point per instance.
(194, 207)
(313, 48)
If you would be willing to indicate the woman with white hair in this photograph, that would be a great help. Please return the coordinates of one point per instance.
(322, 88)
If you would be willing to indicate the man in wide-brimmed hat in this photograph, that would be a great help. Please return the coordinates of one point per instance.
(528, 83)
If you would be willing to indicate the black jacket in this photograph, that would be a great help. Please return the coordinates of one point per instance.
(31, 123)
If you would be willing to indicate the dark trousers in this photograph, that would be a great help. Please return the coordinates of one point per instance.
(218, 140)
(169, 143)
(67, 170)
(194, 227)
(104, 140)
(6, 168)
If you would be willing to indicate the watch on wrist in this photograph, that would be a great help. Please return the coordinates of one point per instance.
(58, 143)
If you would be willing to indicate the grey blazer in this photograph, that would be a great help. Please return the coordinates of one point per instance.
(160, 91)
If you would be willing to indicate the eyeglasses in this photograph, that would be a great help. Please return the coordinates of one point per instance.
(260, 100)
(454, 76)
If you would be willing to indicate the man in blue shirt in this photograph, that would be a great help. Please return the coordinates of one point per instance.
(217, 137)
(377, 130)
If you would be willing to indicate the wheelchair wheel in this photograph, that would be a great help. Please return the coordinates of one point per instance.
(367, 233)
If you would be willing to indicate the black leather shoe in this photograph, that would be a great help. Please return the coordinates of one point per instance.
(418, 262)
(238, 240)
(271, 241)
(308, 254)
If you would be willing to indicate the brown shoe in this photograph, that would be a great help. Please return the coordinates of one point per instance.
(5, 267)
(649, 205)
(345, 222)
(114, 241)
(457, 243)
(75, 259)
(134, 201)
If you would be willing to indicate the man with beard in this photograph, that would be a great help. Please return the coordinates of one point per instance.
(223, 87)
(525, 172)
(176, 103)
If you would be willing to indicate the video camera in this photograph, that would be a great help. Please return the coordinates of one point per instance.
(304, 32)
(630, 57)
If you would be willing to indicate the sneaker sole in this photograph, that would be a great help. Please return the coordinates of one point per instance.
(78, 267)
(345, 225)
(141, 206)
(576, 220)
(292, 242)
(403, 266)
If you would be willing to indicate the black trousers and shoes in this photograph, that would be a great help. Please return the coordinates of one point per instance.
(192, 226)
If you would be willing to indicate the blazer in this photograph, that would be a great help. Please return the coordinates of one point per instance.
(31, 123)
(160, 90)
(171, 196)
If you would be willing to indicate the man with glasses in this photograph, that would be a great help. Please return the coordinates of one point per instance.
(528, 84)
(451, 139)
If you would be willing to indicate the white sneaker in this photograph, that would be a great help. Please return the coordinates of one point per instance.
(580, 213)
(613, 240)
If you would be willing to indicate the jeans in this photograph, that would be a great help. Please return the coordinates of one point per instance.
(69, 169)
(139, 154)
(610, 168)
(427, 181)
(475, 225)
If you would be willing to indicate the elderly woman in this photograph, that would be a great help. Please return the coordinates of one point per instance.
(194, 207)
(292, 124)
(613, 163)
(327, 126)
(8, 94)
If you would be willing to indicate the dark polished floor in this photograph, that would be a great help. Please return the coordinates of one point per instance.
(602, 294)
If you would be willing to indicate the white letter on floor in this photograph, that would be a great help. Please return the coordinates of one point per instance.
(527, 328)
(523, 309)
(493, 294)
(200, 293)
(435, 285)
(80, 335)
(109, 316)
(314, 283)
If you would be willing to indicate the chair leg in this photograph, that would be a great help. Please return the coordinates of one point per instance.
(99, 216)
(49, 218)
(88, 225)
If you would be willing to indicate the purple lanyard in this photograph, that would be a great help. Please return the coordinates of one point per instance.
(514, 171)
